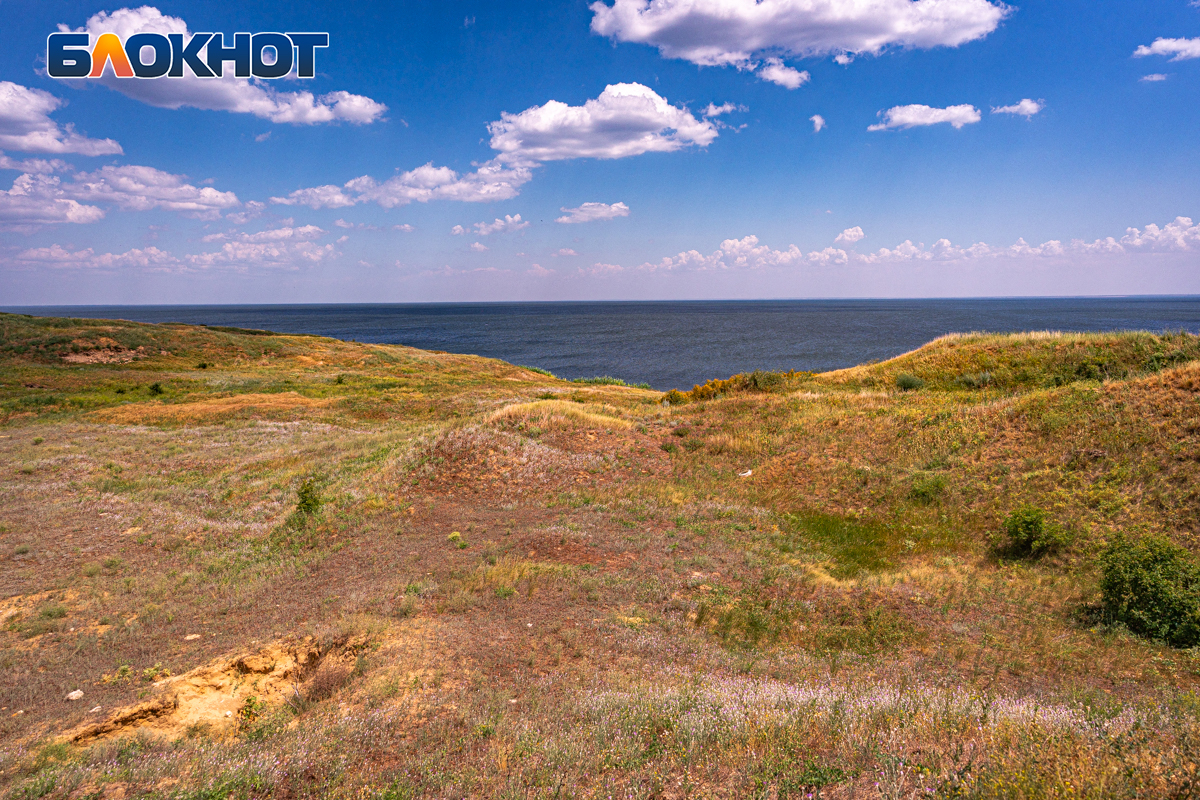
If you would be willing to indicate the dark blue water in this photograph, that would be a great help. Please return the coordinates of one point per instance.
(675, 344)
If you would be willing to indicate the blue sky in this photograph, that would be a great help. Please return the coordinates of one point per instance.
(130, 191)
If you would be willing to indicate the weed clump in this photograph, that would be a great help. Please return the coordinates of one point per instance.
(926, 489)
(906, 382)
(308, 498)
(760, 381)
(1027, 532)
(156, 388)
(1152, 587)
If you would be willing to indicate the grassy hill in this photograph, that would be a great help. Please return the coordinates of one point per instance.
(287, 566)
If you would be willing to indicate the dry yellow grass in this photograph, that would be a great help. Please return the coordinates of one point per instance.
(549, 412)
(215, 410)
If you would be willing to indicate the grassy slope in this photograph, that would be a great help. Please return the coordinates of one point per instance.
(619, 612)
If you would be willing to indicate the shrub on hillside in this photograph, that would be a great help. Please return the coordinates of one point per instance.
(1152, 587)
(308, 498)
(908, 383)
(759, 381)
(1028, 532)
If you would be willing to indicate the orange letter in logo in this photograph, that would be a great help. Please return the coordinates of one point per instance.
(108, 46)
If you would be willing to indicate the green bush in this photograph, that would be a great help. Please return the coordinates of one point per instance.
(308, 498)
(908, 383)
(927, 489)
(1152, 587)
(1028, 532)
(156, 388)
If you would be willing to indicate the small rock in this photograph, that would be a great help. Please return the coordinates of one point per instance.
(75, 695)
(746, 474)
(191, 637)
(95, 710)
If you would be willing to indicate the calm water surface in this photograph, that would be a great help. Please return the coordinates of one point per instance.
(674, 344)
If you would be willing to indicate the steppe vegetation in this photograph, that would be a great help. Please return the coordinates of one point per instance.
(288, 566)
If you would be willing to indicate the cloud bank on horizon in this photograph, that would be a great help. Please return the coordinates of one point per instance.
(117, 178)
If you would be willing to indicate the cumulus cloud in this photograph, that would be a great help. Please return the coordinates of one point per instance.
(509, 224)
(253, 210)
(775, 71)
(1180, 49)
(1026, 108)
(1178, 236)
(38, 166)
(58, 257)
(404, 228)
(287, 247)
(737, 32)
(303, 233)
(1154, 78)
(490, 181)
(479, 247)
(850, 236)
(725, 108)
(25, 125)
(818, 122)
(627, 119)
(143, 188)
(591, 212)
(538, 271)
(39, 199)
(565, 251)
(238, 95)
(914, 116)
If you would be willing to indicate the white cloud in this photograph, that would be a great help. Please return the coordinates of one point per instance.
(627, 119)
(479, 247)
(775, 71)
(143, 188)
(736, 32)
(600, 268)
(457, 230)
(239, 95)
(58, 257)
(254, 210)
(725, 108)
(509, 224)
(565, 251)
(490, 181)
(913, 116)
(591, 212)
(1154, 78)
(404, 228)
(818, 122)
(38, 166)
(303, 233)
(1178, 236)
(37, 200)
(288, 253)
(538, 271)
(1026, 108)
(25, 125)
(1181, 49)
(851, 235)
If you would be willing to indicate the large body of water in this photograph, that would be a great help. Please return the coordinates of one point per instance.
(675, 344)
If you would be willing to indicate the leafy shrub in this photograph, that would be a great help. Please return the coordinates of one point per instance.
(308, 498)
(975, 380)
(156, 388)
(539, 371)
(1152, 587)
(1028, 532)
(758, 381)
(908, 383)
(927, 488)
